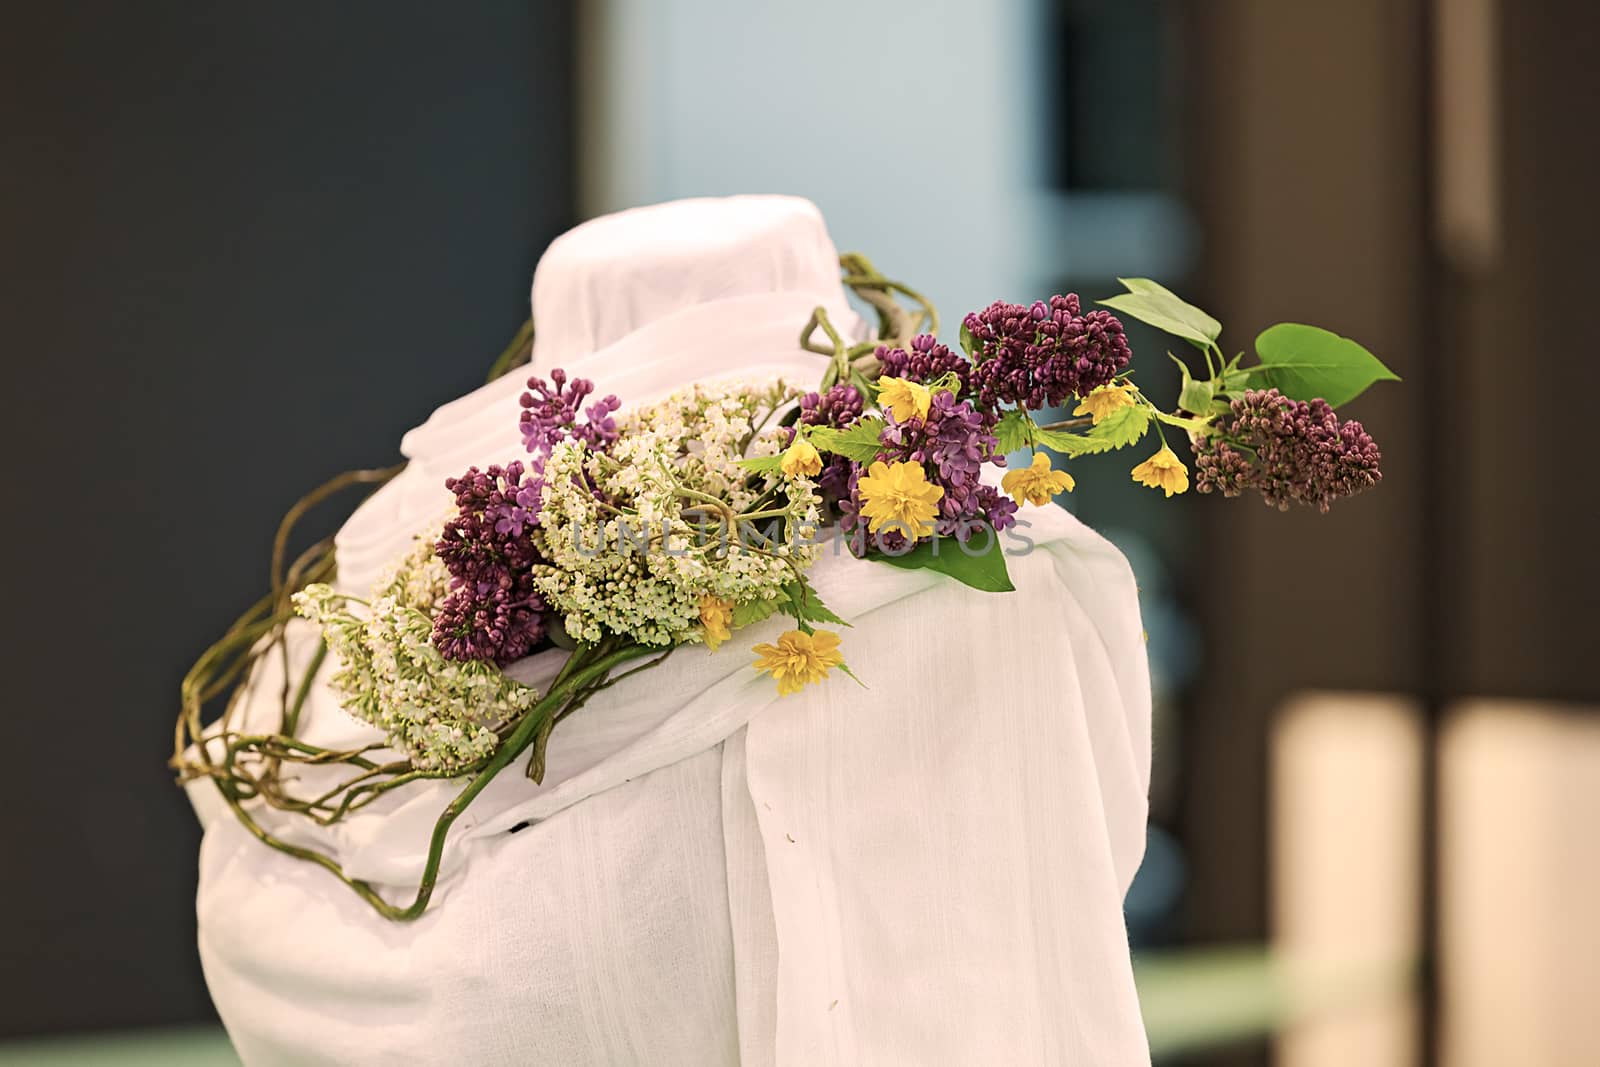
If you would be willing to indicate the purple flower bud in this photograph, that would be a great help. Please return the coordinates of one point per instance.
(493, 611)
(840, 407)
(1291, 451)
(1039, 356)
(926, 362)
(550, 414)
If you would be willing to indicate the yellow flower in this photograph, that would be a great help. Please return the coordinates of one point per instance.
(716, 616)
(1104, 400)
(799, 658)
(1164, 470)
(1037, 483)
(904, 398)
(899, 497)
(802, 457)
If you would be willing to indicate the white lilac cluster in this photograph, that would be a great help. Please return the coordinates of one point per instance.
(443, 714)
(420, 580)
(634, 539)
(712, 427)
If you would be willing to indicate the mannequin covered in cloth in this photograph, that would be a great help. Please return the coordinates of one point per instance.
(927, 870)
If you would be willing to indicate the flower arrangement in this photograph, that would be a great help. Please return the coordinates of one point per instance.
(624, 534)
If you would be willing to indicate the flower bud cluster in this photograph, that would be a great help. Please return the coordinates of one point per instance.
(1290, 451)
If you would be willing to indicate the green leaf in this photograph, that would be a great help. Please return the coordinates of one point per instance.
(803, 603)
(762, 464)
(1159, 307)
(1063, 441)
(1014, 431)
(845, 667)
(985, 571)
(556, 631)
(1196, 426)
(969, 345)
(858, 443)
(1121, 428)
(754, 611)
(1306, 362)
(1233, 379)
(1194, 395)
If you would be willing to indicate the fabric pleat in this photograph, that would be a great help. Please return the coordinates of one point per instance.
(925, 870)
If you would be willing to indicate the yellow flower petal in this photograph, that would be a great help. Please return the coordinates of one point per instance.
(1037, 483)
(799, 659)
(802, 458)
(899, 498)
(1104, 400)
(716, 617)
(904, 398)
(1164, 471)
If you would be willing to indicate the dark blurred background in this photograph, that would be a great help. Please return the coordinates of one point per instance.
(246, 248)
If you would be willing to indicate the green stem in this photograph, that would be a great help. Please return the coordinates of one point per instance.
(1070, 424)
(518, 352)
(863, 277)
(291, 719)
(895, 327)
(259, 631)
(322, 492)
(574, 661)
(515, 745)
(713, 503)
(819, 319)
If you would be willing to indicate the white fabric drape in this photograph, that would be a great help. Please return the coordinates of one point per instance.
(925, 871)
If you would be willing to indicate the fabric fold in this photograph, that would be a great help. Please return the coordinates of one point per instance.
(925, 870)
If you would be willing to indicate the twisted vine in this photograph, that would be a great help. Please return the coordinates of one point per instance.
(252, 769)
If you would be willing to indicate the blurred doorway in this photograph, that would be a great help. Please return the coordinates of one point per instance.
(1416, 173)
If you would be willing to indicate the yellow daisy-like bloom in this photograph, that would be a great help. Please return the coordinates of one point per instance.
(1104, 400)
(799, 658)
(899, 497)
(716, 616)
(1165, 471)
(802, 457)
(1037, 483)
(904, 398)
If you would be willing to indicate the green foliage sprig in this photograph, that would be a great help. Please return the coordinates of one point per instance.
(255, 769)
(1302, 362)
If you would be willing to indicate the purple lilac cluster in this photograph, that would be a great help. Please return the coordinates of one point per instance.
(839, 407)
(493, 611)
(1037, 356)
(926, 361)
(550, 414)
(955, 441)
(1291, 451)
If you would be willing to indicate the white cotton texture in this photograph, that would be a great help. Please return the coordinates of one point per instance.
(927, 870)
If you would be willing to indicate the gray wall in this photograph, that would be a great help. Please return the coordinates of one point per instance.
(244, 247)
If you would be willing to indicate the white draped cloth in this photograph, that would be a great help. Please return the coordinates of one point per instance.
(928, 870)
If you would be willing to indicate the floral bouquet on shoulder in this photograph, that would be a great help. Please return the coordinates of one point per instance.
(624, 533)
